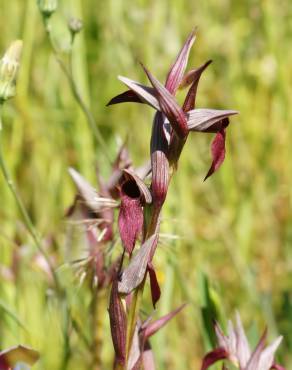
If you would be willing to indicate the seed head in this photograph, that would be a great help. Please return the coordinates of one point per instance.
(47, 7)
(75, 25)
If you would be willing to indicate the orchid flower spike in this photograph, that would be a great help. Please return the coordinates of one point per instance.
(235, 348)
(173, 123)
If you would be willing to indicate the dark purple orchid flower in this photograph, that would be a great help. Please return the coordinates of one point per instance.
(134, 195)
(97, 214)
(98, 204)
(17, 355)
(173, 123)
(234, 347)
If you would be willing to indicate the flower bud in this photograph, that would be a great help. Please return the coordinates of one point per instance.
(118, 323)
(9, 66)
(47, 7)
(159, 161)
(75, 25)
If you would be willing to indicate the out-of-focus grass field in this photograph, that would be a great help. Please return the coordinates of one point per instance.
(235, 228)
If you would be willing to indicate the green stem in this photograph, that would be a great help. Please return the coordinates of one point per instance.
(133, 316)
(138, 293)
(87, 112)
(27, 220)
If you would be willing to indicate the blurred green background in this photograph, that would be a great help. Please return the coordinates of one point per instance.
(234, 230)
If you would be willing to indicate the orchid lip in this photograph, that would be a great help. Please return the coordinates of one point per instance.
(131, 189)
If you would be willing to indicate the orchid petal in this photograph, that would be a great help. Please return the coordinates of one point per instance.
(146, 93)
(144, 170)
(91, 197)
(154, 285)
(212, 357)
(122, 161)
(192, 77)
(205, 120)
(256, 355)
(221, 338)
(156, 325)
(135, 353)
(148, 357)
(169, 107)
(267, 356)
(128, 96)
(145, 192)
(218, 152)
(231, 341)
(243, 350)
(176, 72)
(134, 274)
(130, 219)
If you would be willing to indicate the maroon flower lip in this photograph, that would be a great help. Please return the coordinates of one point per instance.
(134, 194)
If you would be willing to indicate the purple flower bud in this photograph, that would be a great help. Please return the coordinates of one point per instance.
(175, 75)
(118, 323)
(159, 161)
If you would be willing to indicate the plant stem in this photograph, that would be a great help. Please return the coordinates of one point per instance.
(138, 292)
(133, 316)
(87, 112)
(27, 220)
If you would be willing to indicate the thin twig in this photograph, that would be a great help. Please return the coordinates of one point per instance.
(75, 91)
